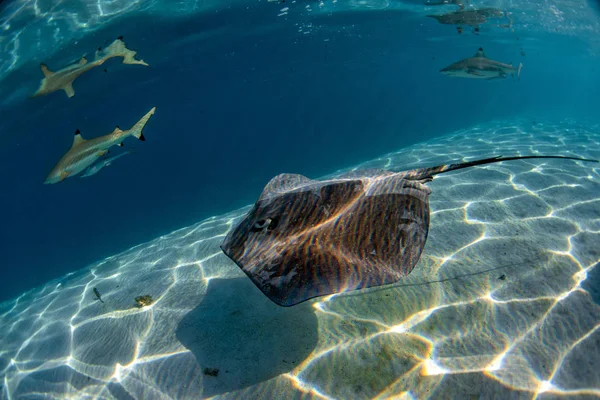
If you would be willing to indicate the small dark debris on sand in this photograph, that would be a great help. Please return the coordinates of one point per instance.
(502, 277)
(211, 371)
(143, 301)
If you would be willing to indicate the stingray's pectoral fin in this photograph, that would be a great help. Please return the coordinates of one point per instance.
(68, 88)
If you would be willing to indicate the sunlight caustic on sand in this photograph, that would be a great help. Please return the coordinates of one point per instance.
(497, 304)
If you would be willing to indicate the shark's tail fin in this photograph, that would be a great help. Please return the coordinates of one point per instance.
(119, 49)
(136, 130)
(428, 173)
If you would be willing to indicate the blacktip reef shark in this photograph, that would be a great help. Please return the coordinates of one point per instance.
(95, 168)
(84, 153)
(481, 67)
(63, 78)
(469, 17)
(473, 17)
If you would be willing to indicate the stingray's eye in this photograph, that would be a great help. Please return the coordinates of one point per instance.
(261, 224)
(265, 224)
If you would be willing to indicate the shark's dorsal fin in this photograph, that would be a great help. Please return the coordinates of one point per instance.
(45, 70)
(117, 131)
(480, 53)
(77, 139)
(83, 61)
(98, 55)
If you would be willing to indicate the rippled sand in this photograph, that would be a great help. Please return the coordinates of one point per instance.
(496, 308)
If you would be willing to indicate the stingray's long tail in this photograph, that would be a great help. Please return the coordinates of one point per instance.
(425, 173)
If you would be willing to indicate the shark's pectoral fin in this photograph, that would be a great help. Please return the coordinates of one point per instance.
(45, 70)
(68, 88)
(64, 175)
(473, 72)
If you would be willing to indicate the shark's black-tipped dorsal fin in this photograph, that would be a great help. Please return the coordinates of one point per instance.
(480, 53)
(77, 139)
(45, 70)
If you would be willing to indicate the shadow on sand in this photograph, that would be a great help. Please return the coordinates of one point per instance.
(239, 332)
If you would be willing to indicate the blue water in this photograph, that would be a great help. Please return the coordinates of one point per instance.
(242, 95)
(502, 304)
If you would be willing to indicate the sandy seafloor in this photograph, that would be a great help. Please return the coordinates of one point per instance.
(498, 307)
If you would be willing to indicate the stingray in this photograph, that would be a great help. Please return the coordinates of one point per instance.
(306, 238)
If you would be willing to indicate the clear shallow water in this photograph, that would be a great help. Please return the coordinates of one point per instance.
(475, 318)
(242, 95)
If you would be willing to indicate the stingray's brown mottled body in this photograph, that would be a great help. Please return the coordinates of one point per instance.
(305, 238)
